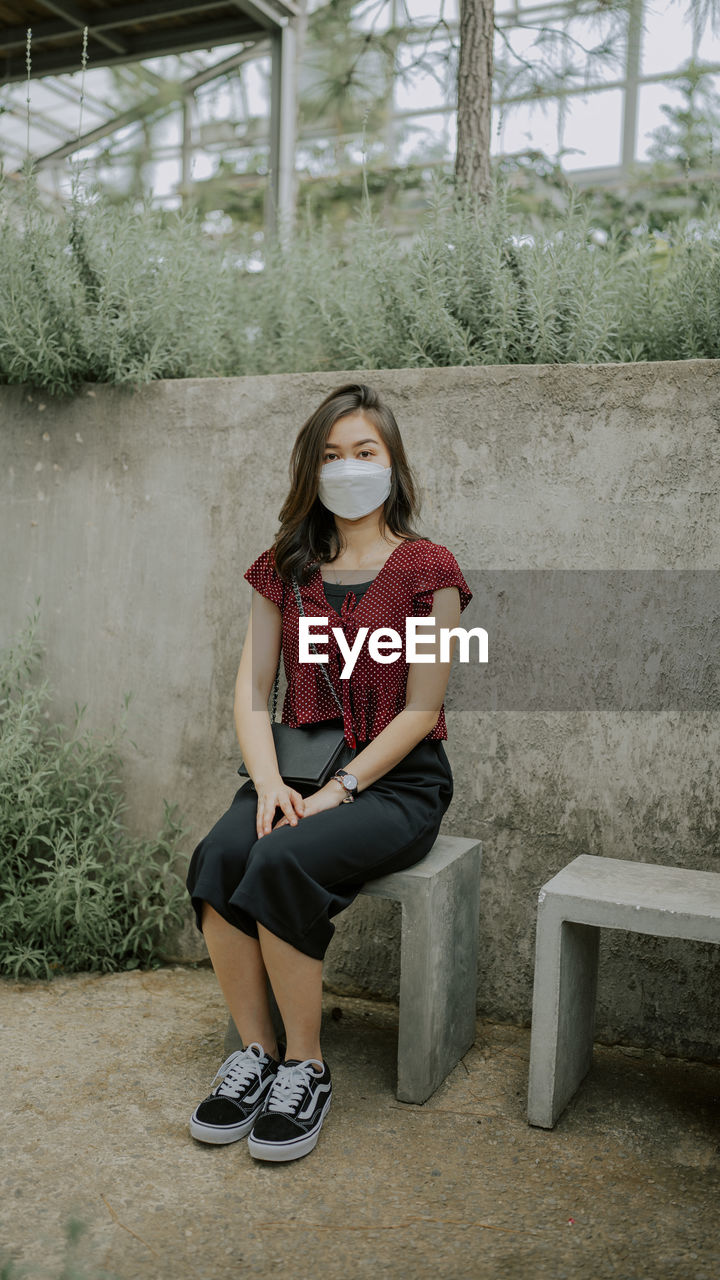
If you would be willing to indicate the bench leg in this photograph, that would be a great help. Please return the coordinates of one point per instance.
(563, 1018)
(438, 980)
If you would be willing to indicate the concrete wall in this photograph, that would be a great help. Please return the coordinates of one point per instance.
(134, 515)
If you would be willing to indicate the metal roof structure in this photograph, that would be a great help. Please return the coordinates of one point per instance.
(176, 122)
(120, 33)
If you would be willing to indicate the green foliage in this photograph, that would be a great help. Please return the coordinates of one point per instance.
(681, 179)
(400, 190)
(123, 294)
(108, 293)
(78, 890)
(690, 136)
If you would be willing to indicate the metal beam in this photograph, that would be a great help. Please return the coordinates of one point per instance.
(13, 148)
(324, 129)
(70, 92)
(133, 116)
(47, 123)
(150, 105)
(99, 20)
(262, 13)
(147, 46)
(708, 68)
(258, 48)
(318, 129)
(73, 18)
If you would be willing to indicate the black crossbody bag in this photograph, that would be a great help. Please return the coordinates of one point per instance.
(308, 755)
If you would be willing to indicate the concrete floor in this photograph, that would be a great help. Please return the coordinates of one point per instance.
(101, 1073)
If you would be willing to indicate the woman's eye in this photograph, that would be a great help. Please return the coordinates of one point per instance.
(364, 453)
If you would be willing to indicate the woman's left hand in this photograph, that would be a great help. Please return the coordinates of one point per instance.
(328, 797)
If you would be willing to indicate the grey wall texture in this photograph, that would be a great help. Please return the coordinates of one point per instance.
(133, 515)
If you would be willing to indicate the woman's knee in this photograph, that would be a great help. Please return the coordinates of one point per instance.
(223, 857)
(273, 855)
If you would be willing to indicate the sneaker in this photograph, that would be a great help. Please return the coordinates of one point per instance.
(230, 1110)
(289, 1125)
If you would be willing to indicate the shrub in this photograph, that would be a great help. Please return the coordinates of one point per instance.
(108, 293)
(78, 890)
(123, 294)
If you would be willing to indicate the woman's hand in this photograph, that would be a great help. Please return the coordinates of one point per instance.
(328, 797)
(276, 795)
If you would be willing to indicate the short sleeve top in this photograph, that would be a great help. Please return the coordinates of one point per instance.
(376, 692)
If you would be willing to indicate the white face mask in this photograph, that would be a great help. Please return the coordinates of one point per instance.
(352, 488)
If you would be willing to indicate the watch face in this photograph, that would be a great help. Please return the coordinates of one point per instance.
(349, 781)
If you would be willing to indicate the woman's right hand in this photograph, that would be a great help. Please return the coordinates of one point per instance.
(277, 795)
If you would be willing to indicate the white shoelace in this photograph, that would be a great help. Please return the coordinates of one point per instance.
(239, 1069)
(289, 1084)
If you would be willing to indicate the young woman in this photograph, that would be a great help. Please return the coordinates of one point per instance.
(281, 862)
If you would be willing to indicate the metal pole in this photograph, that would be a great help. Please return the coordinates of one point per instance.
(632, 74)
(186, 158)
(279, 200)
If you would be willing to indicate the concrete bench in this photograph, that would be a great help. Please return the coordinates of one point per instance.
(588, 895)
(440, 903)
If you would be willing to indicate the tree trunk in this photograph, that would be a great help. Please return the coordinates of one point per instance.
(474, 116)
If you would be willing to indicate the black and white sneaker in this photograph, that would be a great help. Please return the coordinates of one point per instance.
(289, 1124)
(230, 1110)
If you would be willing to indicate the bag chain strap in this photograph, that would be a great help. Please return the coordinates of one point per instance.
(277, 673)
(298, 599)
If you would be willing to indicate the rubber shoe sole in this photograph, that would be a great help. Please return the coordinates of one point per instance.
(220, 1134)
(292, 1150)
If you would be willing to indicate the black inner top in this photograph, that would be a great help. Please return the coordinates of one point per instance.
(335, 592)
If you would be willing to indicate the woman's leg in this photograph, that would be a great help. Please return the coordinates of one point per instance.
(242, 965)
(296, 980)
(241, 973)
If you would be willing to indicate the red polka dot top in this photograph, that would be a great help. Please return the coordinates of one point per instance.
(375, 692)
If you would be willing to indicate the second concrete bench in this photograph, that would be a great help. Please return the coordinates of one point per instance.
(589, 894)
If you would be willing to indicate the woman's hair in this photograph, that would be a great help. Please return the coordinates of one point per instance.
(308, 534)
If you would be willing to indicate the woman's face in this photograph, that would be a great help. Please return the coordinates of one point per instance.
(354, 436)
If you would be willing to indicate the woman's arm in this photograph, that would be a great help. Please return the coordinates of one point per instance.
(426, 687)
(256, 672)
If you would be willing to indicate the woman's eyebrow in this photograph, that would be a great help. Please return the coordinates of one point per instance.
(355, 446)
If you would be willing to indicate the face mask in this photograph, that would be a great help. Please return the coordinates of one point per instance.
(353, 488)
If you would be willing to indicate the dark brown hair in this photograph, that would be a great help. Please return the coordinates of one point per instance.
(308, 534)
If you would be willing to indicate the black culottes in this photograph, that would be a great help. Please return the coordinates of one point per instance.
(294, 879)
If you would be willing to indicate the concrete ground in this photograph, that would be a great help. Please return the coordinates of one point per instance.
(100, 1075)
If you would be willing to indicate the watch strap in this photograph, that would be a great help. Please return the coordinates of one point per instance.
(348, 794)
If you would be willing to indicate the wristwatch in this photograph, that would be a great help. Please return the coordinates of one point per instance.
(348, 782)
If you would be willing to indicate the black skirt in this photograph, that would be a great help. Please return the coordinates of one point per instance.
(294, 879)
